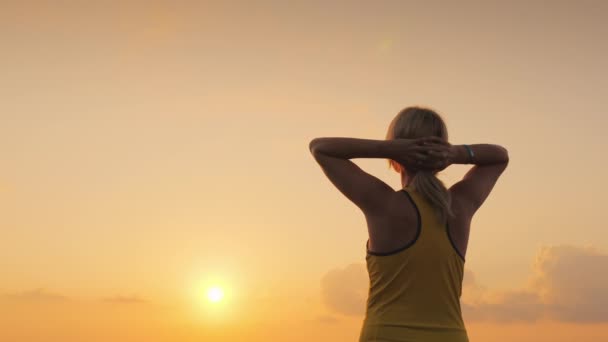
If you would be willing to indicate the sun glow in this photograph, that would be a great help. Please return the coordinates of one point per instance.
(214, 298)
(215, 294)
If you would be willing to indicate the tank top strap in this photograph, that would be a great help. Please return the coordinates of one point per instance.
(432, 231)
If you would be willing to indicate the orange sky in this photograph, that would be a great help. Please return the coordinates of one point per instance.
(150, 150)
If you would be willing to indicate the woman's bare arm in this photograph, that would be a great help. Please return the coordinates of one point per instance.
(368, 192)
(405, 151)
(489, 163)
(484, 154)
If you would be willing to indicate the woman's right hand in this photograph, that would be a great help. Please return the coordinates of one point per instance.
(439, 154)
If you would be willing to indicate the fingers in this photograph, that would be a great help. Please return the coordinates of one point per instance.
(436, 150)
(439, 153)
(431, 145)
(429, 164)
(421, 156)
(432, 140)
(431, 159)
(430, 153)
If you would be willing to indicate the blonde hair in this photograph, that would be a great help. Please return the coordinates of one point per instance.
(416, 122)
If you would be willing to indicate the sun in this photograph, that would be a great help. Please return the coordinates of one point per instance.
(215, 294)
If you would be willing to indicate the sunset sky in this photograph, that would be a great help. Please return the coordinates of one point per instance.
(151, 150)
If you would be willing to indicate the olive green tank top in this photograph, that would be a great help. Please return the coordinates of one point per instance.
(414, 291)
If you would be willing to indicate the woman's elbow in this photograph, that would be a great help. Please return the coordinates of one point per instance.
(313, 145)
(505, 154)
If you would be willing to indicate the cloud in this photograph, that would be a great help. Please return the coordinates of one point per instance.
(567, 284)
(120, 299)
(36, 295)
(42, 295)
(573, 283)
(509, 306)
(472, 291)
(344, 290)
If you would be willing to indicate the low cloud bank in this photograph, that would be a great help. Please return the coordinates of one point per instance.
(568, 284)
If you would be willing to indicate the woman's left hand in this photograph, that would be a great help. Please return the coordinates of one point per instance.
(437, 154)
(426, 153)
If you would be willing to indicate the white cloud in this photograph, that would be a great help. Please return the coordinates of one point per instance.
(344, 290)
(573, 283)
(568, 284)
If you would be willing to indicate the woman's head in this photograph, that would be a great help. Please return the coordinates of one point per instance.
(417, 122)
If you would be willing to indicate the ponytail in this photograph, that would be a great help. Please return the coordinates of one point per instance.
(435, 192)
(416, 122)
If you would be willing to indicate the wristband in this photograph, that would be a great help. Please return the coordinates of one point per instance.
(471, 154)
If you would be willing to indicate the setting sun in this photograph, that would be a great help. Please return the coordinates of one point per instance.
(215, 294)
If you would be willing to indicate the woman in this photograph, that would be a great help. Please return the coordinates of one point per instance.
(418, 235)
